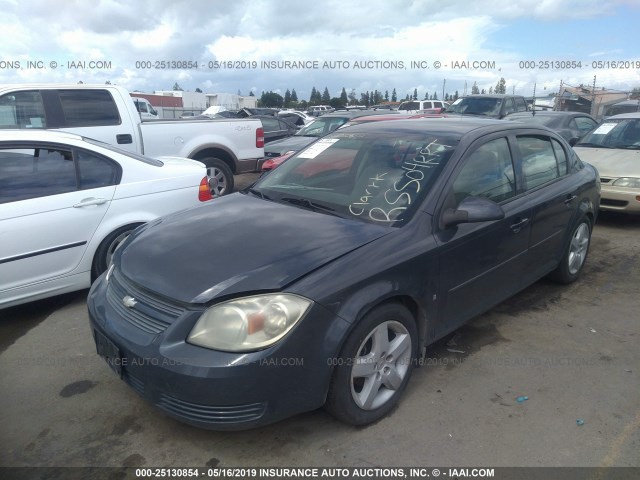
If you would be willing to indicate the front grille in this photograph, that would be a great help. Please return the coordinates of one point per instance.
(211, 414)
(150, 313)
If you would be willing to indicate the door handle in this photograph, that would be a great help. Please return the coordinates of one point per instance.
(124, 138)
(570, 198)
(86, 202)
(516, 227)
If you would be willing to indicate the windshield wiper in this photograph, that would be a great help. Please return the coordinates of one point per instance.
(629, 147)
(588, 144)
(257, 193)
(305, 202)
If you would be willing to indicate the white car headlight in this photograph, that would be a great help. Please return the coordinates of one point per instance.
(249, 323)
(627, 182)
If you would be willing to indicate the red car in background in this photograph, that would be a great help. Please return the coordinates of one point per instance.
(272, 163)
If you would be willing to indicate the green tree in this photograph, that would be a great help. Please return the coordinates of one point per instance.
(415, 93)
(474, 89)
(326, 98)
(352, 96)
(490, 90)
(294, 96)
(287, 98)
(177, 87)
(435, 95)
(455, 96)
(635, 93)
(483, 91)
(386, 95)
(364, 98)
(312, 97)
(251, 94)
(344, 99)
(394, 96)
(501, 86)
(200, 91)
(271, 100)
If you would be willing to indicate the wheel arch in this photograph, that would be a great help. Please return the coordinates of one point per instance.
(216, 152)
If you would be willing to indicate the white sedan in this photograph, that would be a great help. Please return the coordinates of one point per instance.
(67, 202)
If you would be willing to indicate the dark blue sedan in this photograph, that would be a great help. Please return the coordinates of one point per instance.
(324, 282)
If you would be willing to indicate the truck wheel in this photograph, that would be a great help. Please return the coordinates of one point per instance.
(374, 366)
(106, 249)
(220, 176)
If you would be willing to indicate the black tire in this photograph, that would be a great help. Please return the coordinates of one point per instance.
(575, 253)
(366, 365)
(107, 247)
(220, 176)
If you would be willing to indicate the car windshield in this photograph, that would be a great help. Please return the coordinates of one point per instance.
(476, 106)
(379, 178)
(614, 133)
(321, 126)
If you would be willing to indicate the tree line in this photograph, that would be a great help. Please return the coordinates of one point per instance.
(290, 99)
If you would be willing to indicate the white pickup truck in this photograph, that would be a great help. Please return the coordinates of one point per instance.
(107, 113)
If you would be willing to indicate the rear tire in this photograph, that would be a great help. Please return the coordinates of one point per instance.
(108, 246)
(220, 176)
(575, 254)
(374, 366)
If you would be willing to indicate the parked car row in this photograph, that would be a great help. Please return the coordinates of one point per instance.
(393, 229)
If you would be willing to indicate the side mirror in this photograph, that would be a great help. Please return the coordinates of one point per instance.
(472, 210)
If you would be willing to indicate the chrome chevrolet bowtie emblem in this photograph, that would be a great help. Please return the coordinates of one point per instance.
(129, 302)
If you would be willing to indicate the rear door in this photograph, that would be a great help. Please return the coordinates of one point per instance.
(482, 263)
(545, 178)
(52, 199)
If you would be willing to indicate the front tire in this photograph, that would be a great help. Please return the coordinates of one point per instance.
(575, 254)
(374, 366)
(220, 176)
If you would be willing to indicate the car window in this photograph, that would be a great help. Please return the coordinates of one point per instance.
(521, 105)
(22, 110)
(488, 173)
(508, 106)
(35, 172)
(96, 171)
(585, 124)
(270, 124)
(87, 108)
(539, 164)
(561, 157)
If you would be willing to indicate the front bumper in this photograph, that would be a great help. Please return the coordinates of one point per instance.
(213, 389)
(620, 199)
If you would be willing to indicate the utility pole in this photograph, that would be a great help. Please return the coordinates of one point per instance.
(593, 98)
(444, 82)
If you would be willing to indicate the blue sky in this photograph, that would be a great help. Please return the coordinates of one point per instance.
(120, 33)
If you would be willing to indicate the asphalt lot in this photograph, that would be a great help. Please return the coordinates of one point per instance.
(572, 350)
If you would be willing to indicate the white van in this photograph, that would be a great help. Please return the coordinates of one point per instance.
(145, 109)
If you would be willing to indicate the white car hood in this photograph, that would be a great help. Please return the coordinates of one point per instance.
(612, 162)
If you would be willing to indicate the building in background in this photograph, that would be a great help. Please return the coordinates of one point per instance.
(587, 100)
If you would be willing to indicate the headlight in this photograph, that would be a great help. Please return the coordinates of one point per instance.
(627, 182)
(249, 323)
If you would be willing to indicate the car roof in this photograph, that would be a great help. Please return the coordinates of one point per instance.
(546, 113)
(625, 115)
(37, 135)
(448, 126)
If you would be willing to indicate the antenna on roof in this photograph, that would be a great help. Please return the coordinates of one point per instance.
(533, 105)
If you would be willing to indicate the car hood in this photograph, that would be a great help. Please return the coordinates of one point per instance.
(612, 162)
(295, 142)
(237, 244)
